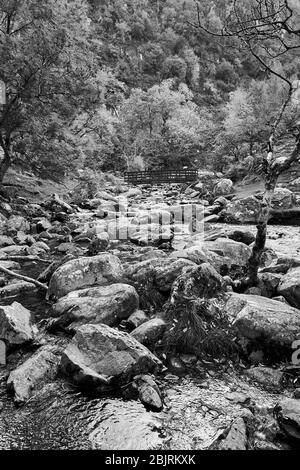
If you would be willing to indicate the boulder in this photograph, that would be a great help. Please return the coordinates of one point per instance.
(242, 236)
(288, 416)
(39, 369)
(270, 323)
(159, 217)
(166, 275)
(99, 242)
(84, 272)
(136, 319)
(15, 224)
(103, 304)
(149, 393)
(17, 288)
(99, 357)
(223, 187)
(153, 234)
(270, 378)
(289, 287)
(14, 250)
(242, 211)
(42, 225)
(236, 439)
(193, 253)
(268, 283)
(150, 332)
(16, 327)
(282, 199)
(238, 252)
(5, 241)
(200, 281)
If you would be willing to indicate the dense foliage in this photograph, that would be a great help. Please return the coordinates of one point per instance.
(107, 84)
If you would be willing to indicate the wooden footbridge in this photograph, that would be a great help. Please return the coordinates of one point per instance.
(161, 176)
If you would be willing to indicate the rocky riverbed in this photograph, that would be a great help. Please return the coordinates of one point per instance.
(138, 341)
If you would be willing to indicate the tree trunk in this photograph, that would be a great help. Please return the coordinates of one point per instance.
(261, 234)
(4, 165)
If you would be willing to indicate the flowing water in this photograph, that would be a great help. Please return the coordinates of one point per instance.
(197, 408)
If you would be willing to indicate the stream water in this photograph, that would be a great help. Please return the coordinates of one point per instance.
(197, 407)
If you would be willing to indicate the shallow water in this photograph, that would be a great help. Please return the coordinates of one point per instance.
(196, 408)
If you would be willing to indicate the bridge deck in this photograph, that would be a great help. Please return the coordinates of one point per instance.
(161, 176)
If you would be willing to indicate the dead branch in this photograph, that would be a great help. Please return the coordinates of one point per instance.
(24, 278)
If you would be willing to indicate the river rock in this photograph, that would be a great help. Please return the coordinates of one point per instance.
(166, 275)
(270, 378)
(5, 241)
(282, 198)
(152, 234)
(288, 416)
(136, 319)
(149, 393)
(16, 327)
(40, 368)
(236, 438)
(201, 282)
(238, 252)
(99, 357)
(84, 272)
(242, 211)
(223, 187)
(289, 287)
(265, 321)
(150, 332)
(193, 253)
(17, 288)
(17, 223)
(242, 236)
(102, 304)
(159, 217)
(14, 250)
(42, 225)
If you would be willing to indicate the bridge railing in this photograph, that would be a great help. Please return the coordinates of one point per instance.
(161, 176)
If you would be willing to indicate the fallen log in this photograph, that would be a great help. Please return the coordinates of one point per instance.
(24, 278)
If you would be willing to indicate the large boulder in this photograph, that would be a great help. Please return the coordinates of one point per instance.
(266, 323)
(199, 282)
(39, 369)
(223, 187)
(239, 253)
(289, 287)
(242, 211)
(84, 272)
(16, 327)
(99, 357)
(282, 198)
(103, 304)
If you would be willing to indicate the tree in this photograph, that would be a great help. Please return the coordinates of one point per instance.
(163, 125)
(270, 31)
(48, 67)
